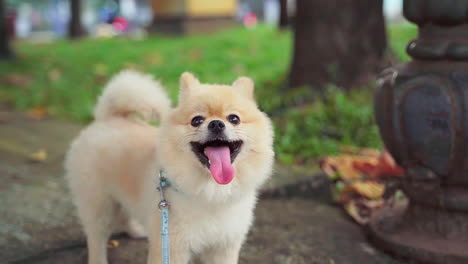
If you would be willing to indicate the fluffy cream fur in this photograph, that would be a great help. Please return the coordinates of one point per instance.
(112, 168)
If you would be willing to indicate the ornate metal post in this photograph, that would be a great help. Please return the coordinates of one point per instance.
(421, 110)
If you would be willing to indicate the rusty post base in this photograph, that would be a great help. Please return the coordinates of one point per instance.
(421, 234)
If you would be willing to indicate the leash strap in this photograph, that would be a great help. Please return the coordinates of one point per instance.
(164, 209)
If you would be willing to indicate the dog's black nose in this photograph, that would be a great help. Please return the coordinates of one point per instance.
(216, 126)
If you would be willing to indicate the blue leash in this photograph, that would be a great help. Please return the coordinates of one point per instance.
(164, 209)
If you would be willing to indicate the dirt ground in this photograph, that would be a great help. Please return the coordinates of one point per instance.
(286, 231)
(38, 223)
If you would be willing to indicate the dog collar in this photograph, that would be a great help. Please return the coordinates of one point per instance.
(169, 181)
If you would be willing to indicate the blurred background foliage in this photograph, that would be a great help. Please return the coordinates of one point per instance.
(65, 77)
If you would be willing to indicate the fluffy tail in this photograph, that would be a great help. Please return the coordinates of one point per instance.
(131, 92)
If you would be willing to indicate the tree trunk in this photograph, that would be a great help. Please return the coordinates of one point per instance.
(5, 49)
(75, 30)
(283, 17)
(337, 41)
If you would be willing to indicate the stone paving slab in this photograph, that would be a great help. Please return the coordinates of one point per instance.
(38, 223)
(35, 209)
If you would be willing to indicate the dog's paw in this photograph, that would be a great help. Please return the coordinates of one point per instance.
(135, 230)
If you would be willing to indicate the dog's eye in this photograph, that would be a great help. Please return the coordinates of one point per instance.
(197, 121)
(233, 119)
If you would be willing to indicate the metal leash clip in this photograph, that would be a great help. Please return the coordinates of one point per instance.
(163, 183)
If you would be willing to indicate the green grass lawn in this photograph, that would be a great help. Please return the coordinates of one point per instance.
(65, 78)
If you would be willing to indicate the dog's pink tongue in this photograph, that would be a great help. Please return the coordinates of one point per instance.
(220, 164)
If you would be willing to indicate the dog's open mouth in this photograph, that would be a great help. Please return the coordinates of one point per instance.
(218, 155)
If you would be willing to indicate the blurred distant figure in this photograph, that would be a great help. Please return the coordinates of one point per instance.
(250, 20)
(120, 24)
(23, 20)
(59, 16)
(271, 11)
(123, 17)
(5, 49)
(108, 11)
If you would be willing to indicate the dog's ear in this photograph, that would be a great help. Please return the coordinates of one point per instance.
(245, 85)
(187, 81)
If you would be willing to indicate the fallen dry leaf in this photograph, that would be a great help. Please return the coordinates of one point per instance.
(354, 167)
(100, 69)
(37, 113)
(385, 167)
(54, 75)
(38, 156)
(345, 195)
(131, 66)
(358, 177)
(113, 243)
(195, 54)
(153, 59)
(369, 189)
(343, 165)
(238, 69)
(17, 79)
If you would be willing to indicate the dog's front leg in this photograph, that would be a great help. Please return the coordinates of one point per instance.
(224, 254)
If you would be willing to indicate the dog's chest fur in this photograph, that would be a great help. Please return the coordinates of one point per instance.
(203, 224)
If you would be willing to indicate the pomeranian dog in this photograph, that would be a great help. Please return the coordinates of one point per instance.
(215, 149)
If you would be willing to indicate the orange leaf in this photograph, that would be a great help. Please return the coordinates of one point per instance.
(369, 189)
(38, 156)
(343, 165)
(346, 195)
(384, 167)
(37, 113)
(113, 244)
